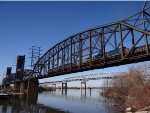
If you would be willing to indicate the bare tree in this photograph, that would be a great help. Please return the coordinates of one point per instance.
(134, 87)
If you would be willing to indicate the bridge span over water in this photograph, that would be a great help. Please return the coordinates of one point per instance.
(118, 43)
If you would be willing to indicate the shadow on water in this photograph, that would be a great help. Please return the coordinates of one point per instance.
(25, 104)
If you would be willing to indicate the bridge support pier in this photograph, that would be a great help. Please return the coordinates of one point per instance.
(53, 86)
(32, 89)
(32, 86)
(64, 87)
(6, 87)
(84, 83)
(23, 87)
(16, 88)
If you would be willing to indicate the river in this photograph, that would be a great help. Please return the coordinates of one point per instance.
(70, 101)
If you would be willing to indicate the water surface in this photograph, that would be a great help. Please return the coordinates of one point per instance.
(70, 101)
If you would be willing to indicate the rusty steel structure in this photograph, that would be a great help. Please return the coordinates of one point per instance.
(118, 43)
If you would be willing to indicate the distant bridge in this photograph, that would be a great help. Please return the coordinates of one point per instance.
(98, 76)
(118, 43)
(84, 78)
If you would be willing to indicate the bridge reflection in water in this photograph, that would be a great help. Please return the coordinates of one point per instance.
(74, 101)
(78, 101)
(25, 104)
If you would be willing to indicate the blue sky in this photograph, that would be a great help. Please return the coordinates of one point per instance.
(44, 24)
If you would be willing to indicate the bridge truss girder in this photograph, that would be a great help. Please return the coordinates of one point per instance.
(118, 43)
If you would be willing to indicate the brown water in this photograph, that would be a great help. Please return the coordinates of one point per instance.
(72, 101)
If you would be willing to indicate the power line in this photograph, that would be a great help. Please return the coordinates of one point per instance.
(35, 55)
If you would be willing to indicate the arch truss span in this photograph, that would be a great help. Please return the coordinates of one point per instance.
(118, 43)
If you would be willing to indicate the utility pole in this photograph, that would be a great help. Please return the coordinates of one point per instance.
(35, 55)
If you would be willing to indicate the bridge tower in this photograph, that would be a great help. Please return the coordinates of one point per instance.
(19, 72)
(20, 68)
(8, 74)
(7, 80)
(24, 86)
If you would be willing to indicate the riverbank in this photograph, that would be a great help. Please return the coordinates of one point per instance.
(118, 99)
(133, 89)
(129, 102)
(145, 110)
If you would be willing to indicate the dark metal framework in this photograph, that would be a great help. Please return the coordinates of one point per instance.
(35, 55)
(122, 42)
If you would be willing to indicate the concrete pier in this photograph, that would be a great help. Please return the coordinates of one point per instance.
(53, 86)
(83, 83)
(64, 85)
(64, 88)
(33, 86)
(23, 87)
(83, 89)
(32, 90)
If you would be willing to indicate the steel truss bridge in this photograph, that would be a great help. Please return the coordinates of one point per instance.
(118, 43)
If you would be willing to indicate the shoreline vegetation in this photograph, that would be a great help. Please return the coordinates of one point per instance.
(132, 89)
